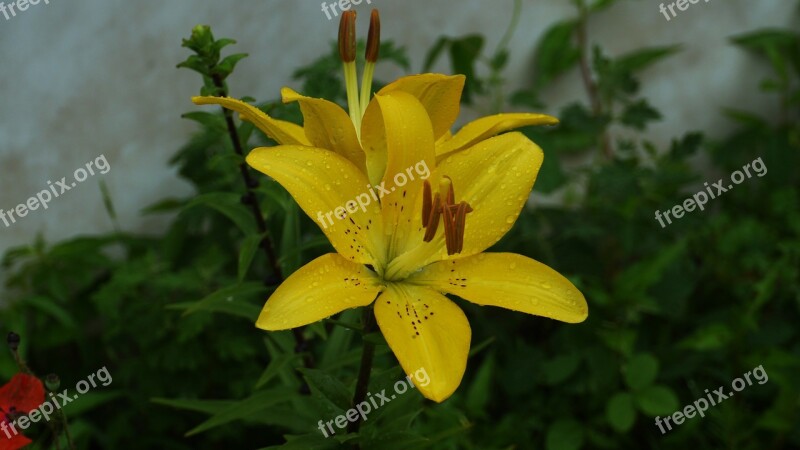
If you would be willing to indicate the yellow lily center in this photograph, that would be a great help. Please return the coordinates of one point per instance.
(443, 206)
(436, 208)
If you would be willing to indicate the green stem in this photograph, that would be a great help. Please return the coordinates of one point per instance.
(66, 430)
(586, 74)
(367, 356)
(301, 346)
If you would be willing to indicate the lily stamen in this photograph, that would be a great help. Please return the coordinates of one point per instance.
(454, 215)
(347, 52)
(373, 48)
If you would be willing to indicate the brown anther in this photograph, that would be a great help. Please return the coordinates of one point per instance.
(347, 36)
(426, 202)
(452, 214)
(433, 219)
(374, 37)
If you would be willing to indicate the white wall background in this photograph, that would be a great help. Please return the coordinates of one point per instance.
(81, 78)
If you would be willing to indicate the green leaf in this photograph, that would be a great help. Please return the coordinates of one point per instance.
(780, 47)
(398, 440)
(641, 59)
(433, 54)
(314, 441)
(656, 400)
(248, 250)
(290, 239)
(565, 435)
(556, 53)
(709, 337)
(464, 53)
(210, 407)
(244, 409)
(328, 387)
(230, 299)
(275, 366)
(207, 119)
(230, 205)
(51, 308)
(620, 412)
(560, 368)
(89, 401)
(226, 66)
(480, 391)
(638, 114)
(398, 55)
(641, 371)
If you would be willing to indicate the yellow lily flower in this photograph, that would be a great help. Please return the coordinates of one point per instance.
(392, 251)
(326, 125)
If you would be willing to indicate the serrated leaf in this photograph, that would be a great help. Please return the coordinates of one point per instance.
(226, 66)
(206, 119)
(638, 114)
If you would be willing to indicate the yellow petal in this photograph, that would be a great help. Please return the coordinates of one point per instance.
(495, 178)
(331, 190)
(283, 132)
(328, 126)
(489, 126)
(325, 286)
(439, 94)
(425, 330)
(509, 281)
(407, 135)
(373, 141)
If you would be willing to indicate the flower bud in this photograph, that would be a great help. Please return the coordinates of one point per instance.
(13, 341)
(52, 382)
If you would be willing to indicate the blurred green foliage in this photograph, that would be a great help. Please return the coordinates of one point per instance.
(673, 311)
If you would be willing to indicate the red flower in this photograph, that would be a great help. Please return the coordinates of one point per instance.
(21, 395)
